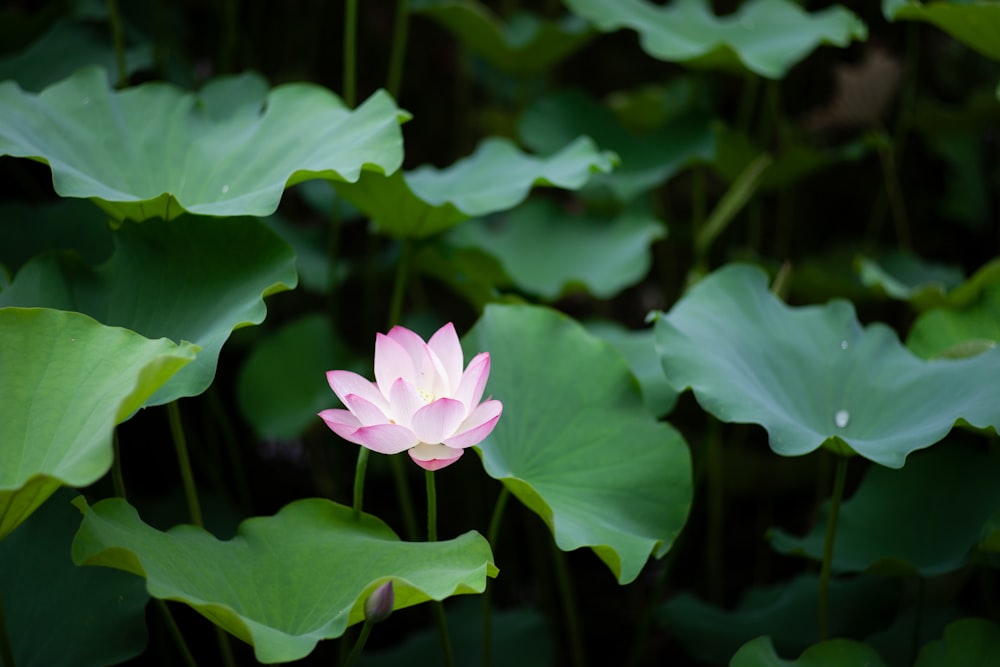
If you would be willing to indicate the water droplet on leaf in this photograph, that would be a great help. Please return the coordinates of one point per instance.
(225, 189)
(842, 418)
(843, 345)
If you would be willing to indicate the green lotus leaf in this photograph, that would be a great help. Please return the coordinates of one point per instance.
(156, 151)
(639, 351)
(496, 177)
(925, 519)
(526, 44)
(766, 37)
(787, 611)
(813, 376)
(760, 652)
(282, 384)
(521, 638)
(98, 615)
(66, 47)
(647, 159)
(906, 277)
(65, 382)
(976, 24)
(948, 331)
(575, 444)
(192, 278)
(601, 255)
(970, 642)
(287, 581)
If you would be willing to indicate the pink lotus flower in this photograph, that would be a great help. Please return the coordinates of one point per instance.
(421, 401)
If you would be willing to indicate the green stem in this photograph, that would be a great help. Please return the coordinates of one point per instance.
(402, 484)
(437, 605)
(116, 468)
(175, 634)
(432, 530)
(6, 650)
(573, 629)
(350, 49)
(646, 621)
(840, 477)
(918, 621)
(232, 447)
(715, 497)
(359, 645)
(492, 535)
(897, 202)
(397, 57)
(399, 284)
(184, 463)
(228, 45)
(118, 39)
(359, 481)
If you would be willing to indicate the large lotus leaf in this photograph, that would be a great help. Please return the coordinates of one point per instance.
(156, 151)
(975, 24)
(62, 224)
(924, 519)
(906, 277)
(496, 177)
(521, 638)
(576, 444)
(192, 278)
(970, 642)
(61, 615)
(65, 382)
(526, 44)
(766, 37)
(945, 331)
(647, 160)
(282, 384)
(550, 251)
(786, 611)
(639, 351)
(813, 376)
(284, 582)
(66, 47)
(760, 652)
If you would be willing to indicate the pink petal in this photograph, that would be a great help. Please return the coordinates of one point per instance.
(444, 343)
(343, 423)
(477, 426)
(367, 412)
(404, 400)
(434, 457)
(470, 389)
(346, 382)
(438, 420)
(385, 438)
(430, 372)
(391, 362)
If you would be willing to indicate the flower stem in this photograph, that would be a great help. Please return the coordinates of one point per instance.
(350, 44)
(6, 650)
(118, 39)
(116, 468)
(437, 605)
(577, 657)
(840, 477)
(398, 54)
(359, 644)
(194, 507)
(432, 530)
(492, 534)
(359, 481)
(918, 620)
(184, 463)
(175, 634)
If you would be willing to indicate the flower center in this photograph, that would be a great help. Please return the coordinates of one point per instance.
(426, 395)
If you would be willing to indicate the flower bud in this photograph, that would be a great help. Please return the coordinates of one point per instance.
(379, 604)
